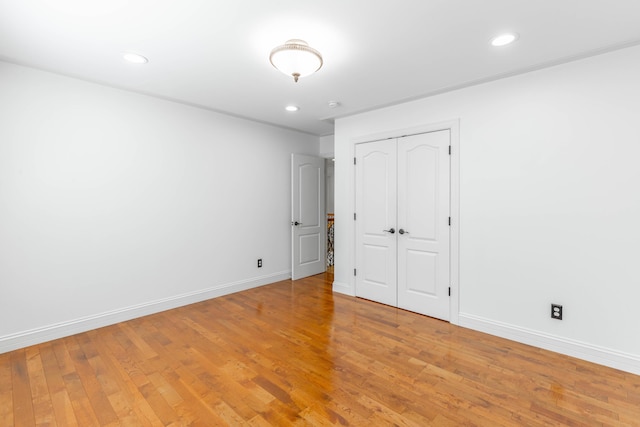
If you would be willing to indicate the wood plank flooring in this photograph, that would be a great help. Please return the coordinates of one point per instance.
(294, 353)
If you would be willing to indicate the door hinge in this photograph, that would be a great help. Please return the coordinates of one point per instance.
(354, 216)
(354, 160)
(449, 150)
(449, 221)
(449, 290)
(354, 271)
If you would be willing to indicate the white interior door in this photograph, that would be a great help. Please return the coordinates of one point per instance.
(376, 277)
(402, 222)
(308, 217)
(423, 223)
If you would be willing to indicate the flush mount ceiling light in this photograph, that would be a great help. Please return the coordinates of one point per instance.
(295, 58)
(504, 39)
(291, 108)
(134, 58)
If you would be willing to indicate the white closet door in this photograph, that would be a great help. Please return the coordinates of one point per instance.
(423, 223)
(402, 224)
(376, 277)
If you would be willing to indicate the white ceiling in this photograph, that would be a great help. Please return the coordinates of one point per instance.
(215, 54)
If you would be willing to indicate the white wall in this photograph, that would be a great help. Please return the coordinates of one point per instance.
(114, 204)
(549, 203)
(329, 185)
(327, 146)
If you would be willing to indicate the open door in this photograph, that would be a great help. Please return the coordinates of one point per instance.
(308, 218)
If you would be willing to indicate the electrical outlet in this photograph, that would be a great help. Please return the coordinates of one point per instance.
(259, 262)
(556, 311)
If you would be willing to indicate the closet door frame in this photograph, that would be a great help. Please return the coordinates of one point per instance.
(454, 127)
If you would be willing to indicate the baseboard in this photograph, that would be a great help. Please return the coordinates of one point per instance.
(343, 288)
(600, 355)
(64, 329)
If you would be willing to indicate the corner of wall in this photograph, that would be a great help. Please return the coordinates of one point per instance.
(343, 288)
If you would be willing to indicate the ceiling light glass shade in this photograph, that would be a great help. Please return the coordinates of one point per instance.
(295, 58)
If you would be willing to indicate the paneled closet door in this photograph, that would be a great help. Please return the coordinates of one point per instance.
(376, 244)
(423, 223)
(402, 223)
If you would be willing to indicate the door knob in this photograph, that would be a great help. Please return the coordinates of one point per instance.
(296, 223)
(391, 230)
(402, 231)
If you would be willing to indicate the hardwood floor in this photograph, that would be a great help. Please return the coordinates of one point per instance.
(294, 353)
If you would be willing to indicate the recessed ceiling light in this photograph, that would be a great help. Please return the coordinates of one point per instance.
(504, 39)
(134, 58)
(291, 108)
(333, 104)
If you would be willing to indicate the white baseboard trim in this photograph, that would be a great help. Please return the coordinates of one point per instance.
(343, 288)
(592, 353)
(72, 327)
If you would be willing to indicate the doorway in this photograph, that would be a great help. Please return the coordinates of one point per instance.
(329, 203)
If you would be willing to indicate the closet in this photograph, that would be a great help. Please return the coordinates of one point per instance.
(402, 222)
